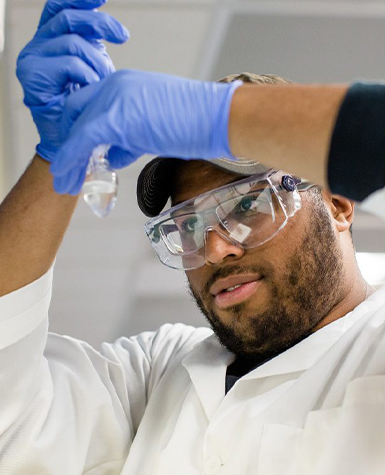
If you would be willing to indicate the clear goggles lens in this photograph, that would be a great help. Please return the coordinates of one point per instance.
(247, 213)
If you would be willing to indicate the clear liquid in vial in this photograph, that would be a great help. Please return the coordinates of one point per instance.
(101, 196)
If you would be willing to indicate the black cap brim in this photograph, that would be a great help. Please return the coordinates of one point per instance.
(155, 182)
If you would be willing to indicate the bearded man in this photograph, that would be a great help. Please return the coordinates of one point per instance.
(291, 376)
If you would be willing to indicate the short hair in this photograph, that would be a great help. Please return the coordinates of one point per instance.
(262, 79)
(316, 193)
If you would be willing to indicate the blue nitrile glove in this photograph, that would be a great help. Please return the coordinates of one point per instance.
(136, 113)
(65, 53)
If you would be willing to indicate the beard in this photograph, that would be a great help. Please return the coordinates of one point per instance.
(310, 285)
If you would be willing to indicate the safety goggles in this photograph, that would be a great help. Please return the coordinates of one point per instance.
(246, 213)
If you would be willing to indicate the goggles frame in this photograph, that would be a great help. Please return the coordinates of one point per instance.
(281, 188)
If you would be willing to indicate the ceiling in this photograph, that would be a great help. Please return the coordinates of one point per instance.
(107, 281)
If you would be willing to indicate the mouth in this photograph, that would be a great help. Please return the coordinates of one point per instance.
(234, 290)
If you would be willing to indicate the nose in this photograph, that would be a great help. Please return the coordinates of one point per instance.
(218, 248)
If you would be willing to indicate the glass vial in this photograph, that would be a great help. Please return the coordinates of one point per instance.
(100, 188)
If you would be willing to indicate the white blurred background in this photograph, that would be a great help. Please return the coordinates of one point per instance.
(107, 281)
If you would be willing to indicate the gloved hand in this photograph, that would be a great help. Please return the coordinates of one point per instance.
(137, 113)
(65, 53)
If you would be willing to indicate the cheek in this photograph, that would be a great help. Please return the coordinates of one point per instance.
(289, 239)
(275, 257)
(196, 279)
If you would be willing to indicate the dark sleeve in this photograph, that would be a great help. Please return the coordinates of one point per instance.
(356, 166)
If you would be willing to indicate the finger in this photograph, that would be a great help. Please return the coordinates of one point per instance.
(77, 185)
(120, 158)
(77, 102)
(74, 45)
(78, 148)
(60, 183)
(67, 184)
(53, 7)
(74, 70)
(90, 25)
(51, 76)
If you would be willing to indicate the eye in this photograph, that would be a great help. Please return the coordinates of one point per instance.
(156, 234)
(190, 225)
(247, 203)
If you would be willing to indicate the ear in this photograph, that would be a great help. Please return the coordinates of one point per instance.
(341, 210)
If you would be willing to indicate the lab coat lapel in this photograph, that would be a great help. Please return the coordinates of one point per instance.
(207, 365)
(355, 355)
(305, 354)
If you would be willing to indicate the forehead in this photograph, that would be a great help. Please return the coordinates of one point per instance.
(194, 177)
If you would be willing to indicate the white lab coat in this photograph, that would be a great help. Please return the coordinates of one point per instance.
(155, 404)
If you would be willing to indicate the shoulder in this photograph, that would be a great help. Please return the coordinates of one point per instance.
(163, 344)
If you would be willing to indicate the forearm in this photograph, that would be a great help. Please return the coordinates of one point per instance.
(33, 220)
(286, 127)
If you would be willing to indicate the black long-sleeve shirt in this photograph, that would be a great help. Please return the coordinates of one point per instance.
(356, 166)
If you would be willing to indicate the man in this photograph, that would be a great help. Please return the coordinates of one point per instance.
(271, 263)
(299, 387)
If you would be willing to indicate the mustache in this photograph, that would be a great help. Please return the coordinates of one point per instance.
(231, 270)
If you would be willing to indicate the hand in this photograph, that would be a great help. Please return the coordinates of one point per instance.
(139, 113)
(65, 54)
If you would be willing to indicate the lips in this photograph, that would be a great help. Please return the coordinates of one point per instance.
(235, 289)
(222, 285)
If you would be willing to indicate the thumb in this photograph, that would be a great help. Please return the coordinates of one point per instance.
(53, 7)
(77, 102)
(72, 182)
(120, 158)
(76, 151)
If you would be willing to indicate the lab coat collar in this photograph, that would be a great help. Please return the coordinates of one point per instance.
(306, 353)
(208, 361)
(301, 356)
(207, 364)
